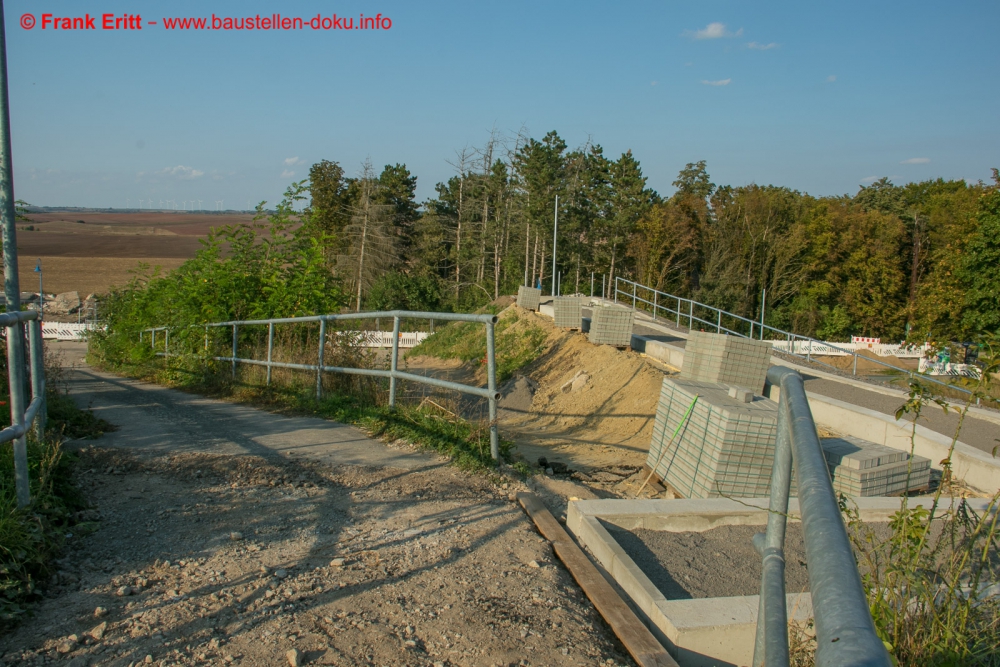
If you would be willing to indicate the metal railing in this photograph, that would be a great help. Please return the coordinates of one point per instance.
(845, 632)
(684, 310)
(490, 392)
(22, 416)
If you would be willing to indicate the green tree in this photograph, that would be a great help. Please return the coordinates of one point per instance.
(693, 180)
(979, 266)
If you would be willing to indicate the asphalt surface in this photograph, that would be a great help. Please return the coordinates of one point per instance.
(155, 418)
(980, 433)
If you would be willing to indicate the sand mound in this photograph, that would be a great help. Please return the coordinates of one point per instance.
(865, 366)
(594, 405)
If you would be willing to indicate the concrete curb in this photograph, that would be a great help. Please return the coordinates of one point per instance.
(708, 631)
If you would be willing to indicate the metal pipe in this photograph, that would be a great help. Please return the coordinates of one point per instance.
(270, 350)
(854, 370)
(319, 361)
(678, 312)
(234, 351)
(491, 385)
(603, 288)
(845, 632)
(655, 294)
(771, 645)
(763, 302)
(633, 296)
(166, 341)
(555, 239)
(393, 362)
(690, 315)
(591, 284)
(37, 376)
(718, 324)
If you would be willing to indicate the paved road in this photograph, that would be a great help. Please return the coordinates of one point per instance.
(155, 418)
(979, 433)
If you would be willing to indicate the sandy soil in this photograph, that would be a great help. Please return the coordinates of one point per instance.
(198, 558)
(593, 407)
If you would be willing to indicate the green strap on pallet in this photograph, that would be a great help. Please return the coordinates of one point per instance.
(663, 450)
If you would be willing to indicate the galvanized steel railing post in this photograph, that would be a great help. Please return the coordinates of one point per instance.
(678, 312)
(718, 324)
(655, 294)
(37, 374)
(152, 340)
(234, 350)
(854, 370)
(319, 361)
(270, 350)
(491, 384)
(166, 342)
(633, 296)
(393, 362)
(845, 632)
(690, 314)
(771, 646)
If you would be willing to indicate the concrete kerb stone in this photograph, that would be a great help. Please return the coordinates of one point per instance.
(701, 632)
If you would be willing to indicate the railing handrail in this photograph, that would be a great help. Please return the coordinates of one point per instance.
(845, 631)
(35, 410)
(792, 337)
(490, 392)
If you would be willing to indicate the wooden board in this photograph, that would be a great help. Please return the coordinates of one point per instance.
(636, 637)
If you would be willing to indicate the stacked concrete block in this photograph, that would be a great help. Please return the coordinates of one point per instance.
(731, 360)
(862, 468)
(528, 297)
(726, 447)
(568, 312)
(611, 325)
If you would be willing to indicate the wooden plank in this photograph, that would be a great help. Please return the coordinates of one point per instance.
(636, 637)
(655, 483)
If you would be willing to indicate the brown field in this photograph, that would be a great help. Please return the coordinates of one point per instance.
(98, 253)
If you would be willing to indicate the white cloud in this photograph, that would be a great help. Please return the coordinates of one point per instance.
(292, 161)
(288, 173)
(762, 47)
(869, 179)
(182, 172)
(652, 83)
(831, 78)
(713, 31)
(720, 82)
(916, 160)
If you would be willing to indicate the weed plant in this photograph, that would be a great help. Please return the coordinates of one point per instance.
(933, 585)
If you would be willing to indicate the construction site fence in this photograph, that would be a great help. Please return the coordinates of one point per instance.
(696, 315)
(16, 326)
(845, 631)
(489, 392)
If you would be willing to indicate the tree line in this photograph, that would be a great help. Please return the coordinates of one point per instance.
(898, 261)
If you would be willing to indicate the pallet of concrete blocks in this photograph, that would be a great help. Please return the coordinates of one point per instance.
(568, 312)
(528, 297)
(726, 446)
(611, 325)
(862, 468)
(731, 360)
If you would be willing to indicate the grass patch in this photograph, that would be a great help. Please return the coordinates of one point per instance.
(32, 536)
(518, 342)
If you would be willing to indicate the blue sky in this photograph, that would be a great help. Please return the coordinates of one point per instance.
(816, 98)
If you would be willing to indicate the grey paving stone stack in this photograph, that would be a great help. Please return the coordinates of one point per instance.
(725, 448)
(568, 312)
(732, 360)
(862, 468)
(611, 325)
(528, 297)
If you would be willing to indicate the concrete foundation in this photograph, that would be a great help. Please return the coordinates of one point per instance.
(712, 631)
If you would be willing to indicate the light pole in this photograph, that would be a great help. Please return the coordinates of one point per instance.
(555, 240)
(41, 294)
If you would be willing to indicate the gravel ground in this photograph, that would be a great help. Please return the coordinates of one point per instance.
(200, 558)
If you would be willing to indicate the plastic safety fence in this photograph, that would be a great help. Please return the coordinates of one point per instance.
(710, 357)
(611, 325)
(726, 447)
(528, 297)
(568, 312)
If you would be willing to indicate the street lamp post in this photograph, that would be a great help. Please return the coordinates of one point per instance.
(41, 294)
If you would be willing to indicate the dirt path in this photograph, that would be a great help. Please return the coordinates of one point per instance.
(220, 534)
